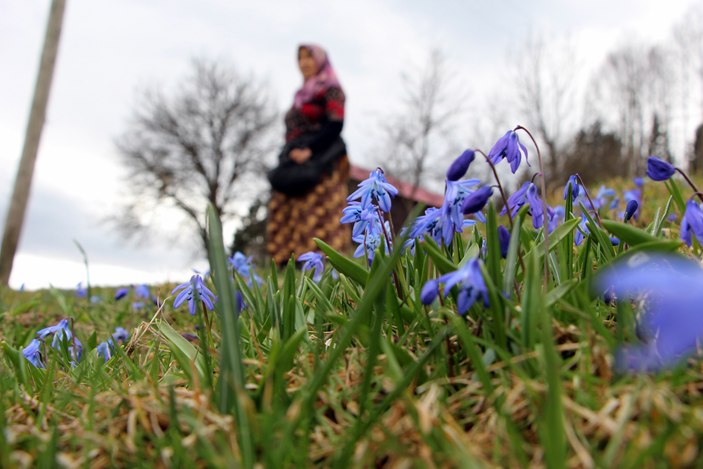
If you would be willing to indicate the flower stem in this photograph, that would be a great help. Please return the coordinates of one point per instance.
(543, 186)
(593, 207)
(690, 183)
(500, 186)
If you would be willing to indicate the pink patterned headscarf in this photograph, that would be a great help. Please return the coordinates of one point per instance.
(323, 79)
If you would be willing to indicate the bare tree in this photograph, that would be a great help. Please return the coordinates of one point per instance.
(546, 81)
(204, 144)
(421, 131)
(633, 86)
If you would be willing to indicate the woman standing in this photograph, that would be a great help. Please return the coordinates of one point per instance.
(313, 127)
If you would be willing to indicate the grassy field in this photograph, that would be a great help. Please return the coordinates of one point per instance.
(374, 365)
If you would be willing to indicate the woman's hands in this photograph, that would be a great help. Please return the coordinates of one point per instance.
(300, 155)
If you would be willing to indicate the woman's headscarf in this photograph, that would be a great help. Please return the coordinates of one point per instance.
(323, 79)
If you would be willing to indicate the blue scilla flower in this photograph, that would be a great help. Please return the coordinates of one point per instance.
(639, 182)
(81, 291)
(452, 218)
(510, 148)
(360, 216)
(536, 208)
(555, 216)
(429, 292)
(121, 293)
(575, 187)
(630, 209)
(243, 265)
(581, 232)
(313, 261)
(603, 196)
(105, 349)
(469, 280)
(516, 200)
(428, 224)
(120, 335)
(658, 169)
(475, 201)
(62, 332)
(503, 240)
(142, 291)
(375, 189)
(671, 325)
(692, 223)
(32, 353)
(459, 166)
(194, 290)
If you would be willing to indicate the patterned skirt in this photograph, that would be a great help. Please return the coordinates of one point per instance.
(293, 222)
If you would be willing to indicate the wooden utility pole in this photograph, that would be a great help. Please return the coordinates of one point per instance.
(37, 115)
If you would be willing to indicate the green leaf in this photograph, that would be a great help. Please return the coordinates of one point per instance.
(443, 264)
(628, 233)
(343, 264)
(184, 352)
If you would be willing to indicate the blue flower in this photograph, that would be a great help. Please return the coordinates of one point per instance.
(475, 201)
(120, 335)
(469, 280)
(429, 223)
(639, 182)
(105, 349)
(604, 193)
(692, 223)
(375, 189)
(575, 188)
(630, 210)
(554, 217)
(510, 148)
(142, 291)
(633, 195)
(121, 293)
(313, 260)
(32, 353)
(581, 232)
(81, 291)
(460, 165)
(671, 324)
(194, 290)
(244, 266)
(516, 200)
(658, 169)
(361, 217)
(536, 208)
(452, 217)
(62, 332)
(429, 292)
(503, 240)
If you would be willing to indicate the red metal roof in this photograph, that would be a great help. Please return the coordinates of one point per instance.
(405, 189)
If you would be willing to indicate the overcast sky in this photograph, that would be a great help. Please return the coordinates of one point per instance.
(109, 49)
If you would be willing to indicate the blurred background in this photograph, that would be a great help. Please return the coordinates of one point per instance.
(601, 85)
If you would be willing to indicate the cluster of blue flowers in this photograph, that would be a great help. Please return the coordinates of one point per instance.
(367, 206)
(63, 336)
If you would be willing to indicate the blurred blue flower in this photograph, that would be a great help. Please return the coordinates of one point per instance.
(194, 290)
(375, 189)
(510, 148)
(460, 165)
(105, 349)
(476, 200)
(503, 240)
(121, 293)
(429, 292)
(555, 215)
(516, 200)
(313, 260)
(469, 280)
(692, 223)
(32, 353)
(604, 193)
(142, 291)
(244, 266)
(658, 169)
(671, 324)
(81, 291)
(575, 187)
(639, 182)
(120, 335)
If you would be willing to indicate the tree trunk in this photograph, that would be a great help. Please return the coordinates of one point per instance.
(23, 180)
